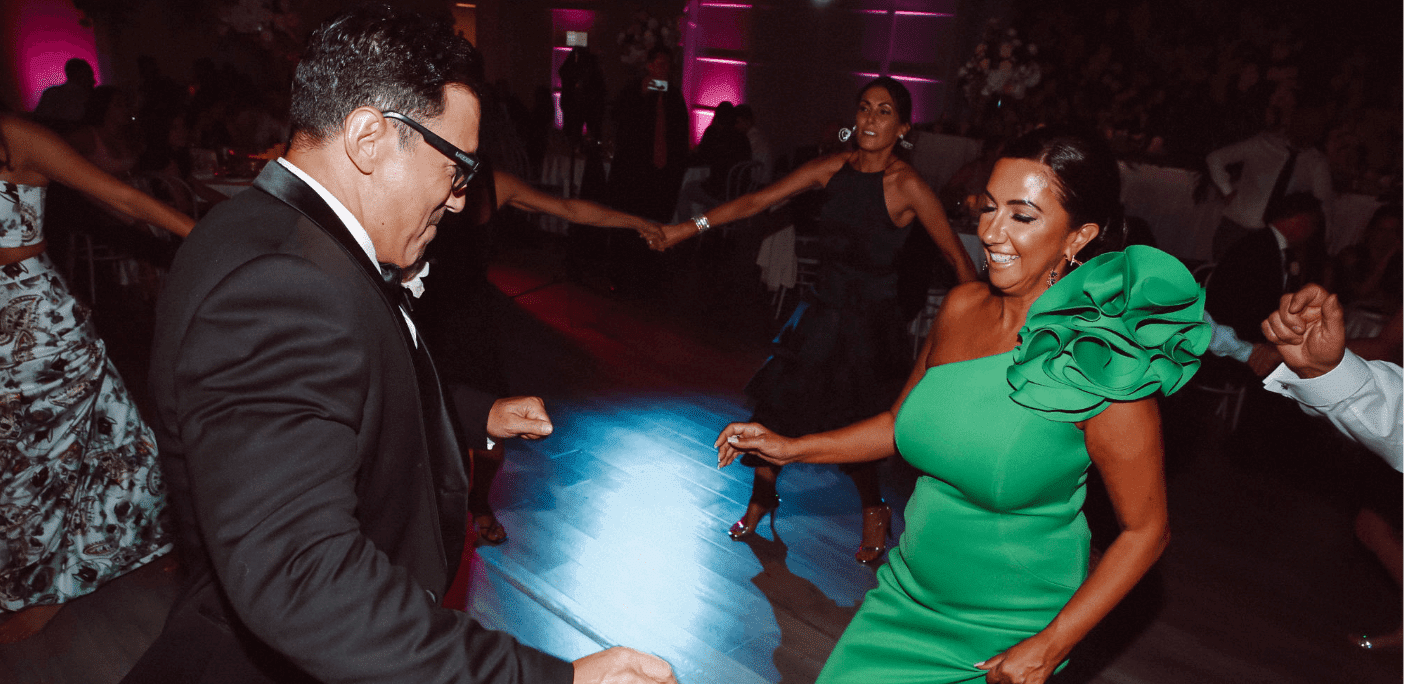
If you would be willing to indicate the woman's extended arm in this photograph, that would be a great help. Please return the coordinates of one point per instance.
(867, 440)
(814, 174)
(933, 218)
(1124, 443)
(518, 193)
(39, 150)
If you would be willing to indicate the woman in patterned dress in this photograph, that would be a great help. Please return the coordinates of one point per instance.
(80, 489)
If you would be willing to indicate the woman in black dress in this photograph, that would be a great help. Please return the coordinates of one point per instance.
(844, 355)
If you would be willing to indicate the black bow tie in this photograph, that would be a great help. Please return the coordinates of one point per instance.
(391, 277)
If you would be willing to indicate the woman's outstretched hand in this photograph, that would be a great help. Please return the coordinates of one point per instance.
(1031, 661)
(753, 438)
(673, 234)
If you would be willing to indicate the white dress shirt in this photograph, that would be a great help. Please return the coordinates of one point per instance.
(358, 232)
(1363, 399)
(1262, 157)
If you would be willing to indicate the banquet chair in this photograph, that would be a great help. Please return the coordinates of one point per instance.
(1228, 386)
(806, 266)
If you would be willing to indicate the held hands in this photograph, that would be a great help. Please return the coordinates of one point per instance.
(620, 665)
(651, 232)
(523, 417)
(754, 438)
(1031, 661)
(1309, 331)
(674, 234)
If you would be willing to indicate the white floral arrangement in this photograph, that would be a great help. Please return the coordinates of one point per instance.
(1003, 66)
(643, 34)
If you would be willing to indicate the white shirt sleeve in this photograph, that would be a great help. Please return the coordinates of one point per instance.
(1219, 160)
(1363, 399)
(1225, 342)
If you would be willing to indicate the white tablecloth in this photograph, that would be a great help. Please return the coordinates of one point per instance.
(1164, 197)
(561, 174)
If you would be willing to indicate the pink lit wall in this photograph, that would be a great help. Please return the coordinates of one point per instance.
(42, 35)
(563, 20)
(708, 81)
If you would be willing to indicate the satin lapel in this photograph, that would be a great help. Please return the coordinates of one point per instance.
(449, 479)
(289, 189)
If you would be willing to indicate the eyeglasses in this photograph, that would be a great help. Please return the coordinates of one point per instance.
(465, 165)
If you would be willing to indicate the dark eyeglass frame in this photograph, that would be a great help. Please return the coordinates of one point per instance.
(466, 165)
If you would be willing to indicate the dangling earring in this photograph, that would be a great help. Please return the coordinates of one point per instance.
(1073, 262)
(906, 144)
(1052, 277)
(845, 134)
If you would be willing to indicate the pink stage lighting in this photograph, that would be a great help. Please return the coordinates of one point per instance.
(43, 34)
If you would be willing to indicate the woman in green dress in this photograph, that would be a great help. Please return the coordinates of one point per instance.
(1024, 382)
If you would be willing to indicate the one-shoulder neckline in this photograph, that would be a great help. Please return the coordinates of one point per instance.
(970, 360)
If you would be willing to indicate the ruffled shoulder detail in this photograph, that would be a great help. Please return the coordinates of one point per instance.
(1120, 327)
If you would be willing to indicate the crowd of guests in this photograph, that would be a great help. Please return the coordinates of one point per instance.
(287, 345)
(1174, 81)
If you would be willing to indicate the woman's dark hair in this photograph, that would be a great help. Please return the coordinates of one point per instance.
(1086, 180)
(900, 96)
(378, 56)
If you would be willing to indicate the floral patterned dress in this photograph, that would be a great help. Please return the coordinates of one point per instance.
(80, 489)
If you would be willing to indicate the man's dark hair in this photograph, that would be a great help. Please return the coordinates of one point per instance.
(1294, 204)
(379, 56)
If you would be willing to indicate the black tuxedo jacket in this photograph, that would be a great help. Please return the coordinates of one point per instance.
(1247, 284)
(310, 463)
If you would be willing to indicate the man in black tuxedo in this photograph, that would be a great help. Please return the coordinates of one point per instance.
(311, 464)
(1264, 264)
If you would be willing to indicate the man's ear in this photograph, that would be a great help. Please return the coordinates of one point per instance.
(366, 136)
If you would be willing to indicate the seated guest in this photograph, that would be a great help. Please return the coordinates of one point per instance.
(761, 152)
(318, 489)
(1263, 265)
(723, 146)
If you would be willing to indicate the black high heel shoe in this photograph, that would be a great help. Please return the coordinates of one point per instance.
(877, 522)
(740, 530)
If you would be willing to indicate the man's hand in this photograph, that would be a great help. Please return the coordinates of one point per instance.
(523, 417)
(621, 665)
(1309, 331)
(1264, 358)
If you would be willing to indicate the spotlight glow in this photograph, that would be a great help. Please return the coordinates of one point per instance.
(44, 35)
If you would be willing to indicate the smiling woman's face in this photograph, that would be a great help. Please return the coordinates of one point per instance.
(1025, 230)
(877, 124)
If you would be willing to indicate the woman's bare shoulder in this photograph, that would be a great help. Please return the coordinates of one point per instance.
(967, 296)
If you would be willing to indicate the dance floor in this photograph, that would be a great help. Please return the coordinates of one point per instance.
(616, 523)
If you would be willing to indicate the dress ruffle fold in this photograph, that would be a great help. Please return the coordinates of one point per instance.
(1120, 327)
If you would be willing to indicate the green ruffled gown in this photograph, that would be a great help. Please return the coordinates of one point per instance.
(996, 542)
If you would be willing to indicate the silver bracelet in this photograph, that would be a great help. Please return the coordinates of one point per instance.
(701, 222)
